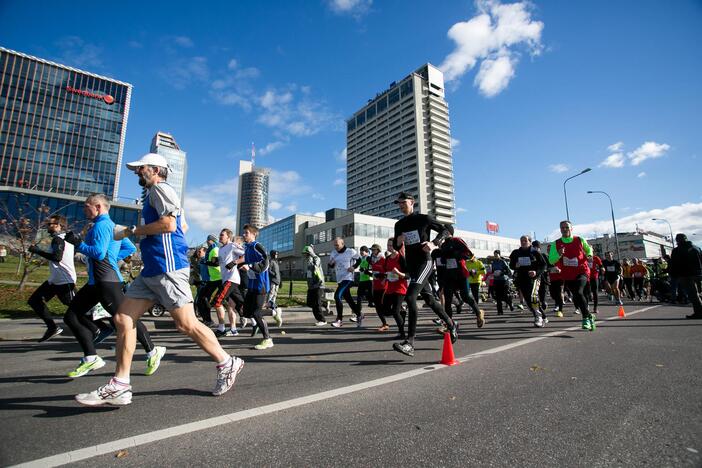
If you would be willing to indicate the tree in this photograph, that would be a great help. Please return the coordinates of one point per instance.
(22, 227)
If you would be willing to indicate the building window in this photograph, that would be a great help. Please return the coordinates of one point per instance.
(394, 97)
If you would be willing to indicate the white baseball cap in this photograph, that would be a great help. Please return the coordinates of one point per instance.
(149, 159)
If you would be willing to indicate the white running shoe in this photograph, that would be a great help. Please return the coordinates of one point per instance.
(538, 322)
(320, 324)
(226, 376)
(336, 324)
(353, 318)
(111, 394)
(278, 317)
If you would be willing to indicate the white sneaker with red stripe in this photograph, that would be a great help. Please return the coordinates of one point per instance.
(113, 393)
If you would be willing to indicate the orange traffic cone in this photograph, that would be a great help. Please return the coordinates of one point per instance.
(622, 314)
(447, 357)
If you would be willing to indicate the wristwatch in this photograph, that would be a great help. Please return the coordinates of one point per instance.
(132, 228)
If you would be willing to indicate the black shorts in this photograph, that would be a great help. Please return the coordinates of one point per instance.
(229, 291)
(611, 278)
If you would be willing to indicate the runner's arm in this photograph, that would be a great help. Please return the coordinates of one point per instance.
(97, 249)
(260, 267)
(56, 254)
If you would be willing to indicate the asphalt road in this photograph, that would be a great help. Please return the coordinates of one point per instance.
(629, 394)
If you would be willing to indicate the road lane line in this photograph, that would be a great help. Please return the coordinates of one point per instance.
(182, 429)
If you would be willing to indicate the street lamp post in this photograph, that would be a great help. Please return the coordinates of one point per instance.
(672, 241)
(565, 194)
(614, 223)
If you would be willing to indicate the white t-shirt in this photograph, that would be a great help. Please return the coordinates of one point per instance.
(342, 261)
(229, 253)
(63, 272)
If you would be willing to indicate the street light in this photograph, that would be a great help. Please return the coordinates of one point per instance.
(565, 194)
(614, 224)
(672, 242)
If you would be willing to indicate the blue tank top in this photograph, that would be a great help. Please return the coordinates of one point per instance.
(162, 253)
(258, 282)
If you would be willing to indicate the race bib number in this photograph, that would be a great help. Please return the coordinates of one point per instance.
(392, 276)
(451, 263)
(570, 262)
(638, 274)
(611, 269)
(411, 237)
(524, 261)
(497, 273)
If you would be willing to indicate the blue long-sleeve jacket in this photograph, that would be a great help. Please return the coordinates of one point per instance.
(102, 251)
(126, 248)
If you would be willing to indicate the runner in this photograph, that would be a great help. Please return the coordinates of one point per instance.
(163, 280)
(500, 276)
(412, 232)
(476, 272)
(255, 269)
(229, 298)
(612, 272)
(556, 289)
(639, 273)
(545, 280)
(315, 284)
(395, 273)
(104, 287)
(62, 276)
(626, 283)
(377, 264)
(592, 288)
(344, 261)
(275, 279)
(214, 280)
(569, 255)
(528, 266)
(365, 277)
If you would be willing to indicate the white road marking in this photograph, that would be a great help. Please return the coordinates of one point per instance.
(162, 434)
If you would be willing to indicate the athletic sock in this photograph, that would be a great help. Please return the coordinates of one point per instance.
(123, 381)
(220, 327)
(225, 362)
(90, 358)
(151, 353)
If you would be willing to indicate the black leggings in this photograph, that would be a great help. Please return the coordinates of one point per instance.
(475, 291)
(44, 293)
(110, 296)
(555, 289)
(343, 293)
(365, 291)
(253, 307)
(502, 294)
(419, 285)
(639, 287)
(577, 288)
(392, 305)
(529, 288)
(314, 300)
(204, 298)
(378, 303)
(460, 286)
(591, 293)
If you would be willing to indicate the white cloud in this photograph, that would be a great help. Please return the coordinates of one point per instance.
(78, 53)
(492, 37)
(341, 155)
(184, 71)
(286, 184)
(291, 207)
(270, 147)
(558, 168)
(460, 210)
(183, 41)
(321, 214)
(274, 205)
(232, 64)
(685, 218)
(615, 147)
(340, 170)
(641, 174)
(455, 143)
(338, 182)
(294, 112)
(649, 150)
(318, 196)
(613, 161)
(355, 8)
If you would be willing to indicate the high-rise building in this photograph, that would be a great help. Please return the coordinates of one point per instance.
(401, 141)
(62, 134)
(252, 196)
(165, 145)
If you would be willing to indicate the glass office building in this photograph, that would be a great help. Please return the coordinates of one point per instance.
(252, 196)
(165, 145)
(62, 131)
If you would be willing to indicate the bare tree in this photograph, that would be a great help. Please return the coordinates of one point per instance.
(22, 228)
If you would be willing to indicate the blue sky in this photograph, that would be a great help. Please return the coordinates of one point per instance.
(537, 92)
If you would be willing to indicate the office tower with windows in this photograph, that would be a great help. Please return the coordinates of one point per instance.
(252, 196)
(165, 145)
(401, 141)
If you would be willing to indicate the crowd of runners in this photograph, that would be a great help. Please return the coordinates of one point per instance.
(238, 277)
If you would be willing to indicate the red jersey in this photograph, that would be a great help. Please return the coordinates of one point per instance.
(594, 264)
(573, 262)
(379, 282)
(395, 284)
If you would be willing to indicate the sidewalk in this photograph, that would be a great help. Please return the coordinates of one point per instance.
(31, 328)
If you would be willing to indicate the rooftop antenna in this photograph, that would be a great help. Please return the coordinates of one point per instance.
(253, 155)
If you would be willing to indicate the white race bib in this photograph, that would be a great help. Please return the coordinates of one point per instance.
(524, 261)
(392, 276)
(638, 274)
(570, 262)
(611, 268)
(411, 237)
(451, 263)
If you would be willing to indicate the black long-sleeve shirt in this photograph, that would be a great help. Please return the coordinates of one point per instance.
(524, 260)
(416, 228)
(57, 247)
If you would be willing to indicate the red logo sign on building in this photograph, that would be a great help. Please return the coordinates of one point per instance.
(103, 97)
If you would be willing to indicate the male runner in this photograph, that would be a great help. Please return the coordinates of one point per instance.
(545, 279)
(613, 272)
(528, 266)
(163, 280)
(255, 270)
(412, 232)
(315, 284)
(595, 265)
(214, 280)
(454, 252)
(229, 298)
(500, 280)
(62, 276)
(344, 261)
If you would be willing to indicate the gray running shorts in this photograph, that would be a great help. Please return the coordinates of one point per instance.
(171, 290)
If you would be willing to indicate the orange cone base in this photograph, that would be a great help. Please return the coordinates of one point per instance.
(622, 314)
(447, 357)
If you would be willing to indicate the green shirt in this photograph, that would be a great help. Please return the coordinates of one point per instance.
(554, 256)
(215, 274)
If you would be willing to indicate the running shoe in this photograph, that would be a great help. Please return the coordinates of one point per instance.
(113, 393)
(231, 332)
(320, 324)
(520, 306)
(336, 324)
(50, 333)
(592, 319)
(359, 320)
(586, 324)
(538, 322)
(441, 330)
(226, 375)
(480, 318)
(154, 361)
(454, 332)
(254, 329)
(86, 366)
(353, 318)
(278, 317)
(556, 309)
(102, 335)
(243, 321)
(405, 348)
(559, 314)
(383, 328)
(438, 322)
(220, 333)
(577, 312)
(264, 344)
(545, 320)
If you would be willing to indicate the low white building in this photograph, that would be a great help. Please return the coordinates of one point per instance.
(642, 244)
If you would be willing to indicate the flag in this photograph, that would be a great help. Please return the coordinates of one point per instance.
(492, 227)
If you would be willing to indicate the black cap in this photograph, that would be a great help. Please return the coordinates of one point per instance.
(680, 237)
(403, 196)
(536, 244)
(364, 248)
